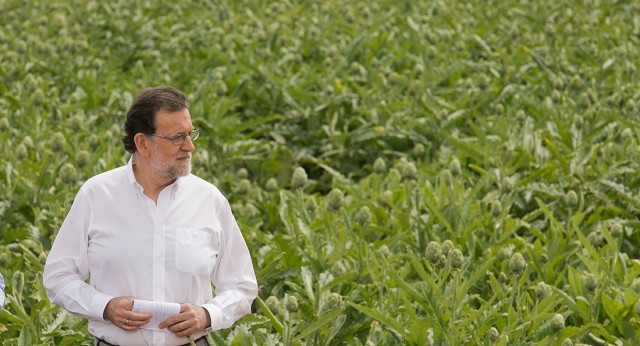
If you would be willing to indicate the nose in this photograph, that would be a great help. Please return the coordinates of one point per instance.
(188, 145)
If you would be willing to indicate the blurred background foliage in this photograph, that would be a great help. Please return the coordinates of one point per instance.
(466, 171)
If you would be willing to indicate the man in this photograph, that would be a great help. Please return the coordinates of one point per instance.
(150, 230)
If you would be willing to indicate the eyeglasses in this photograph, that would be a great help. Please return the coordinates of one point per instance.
(179, 139)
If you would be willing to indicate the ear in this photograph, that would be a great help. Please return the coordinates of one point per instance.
(142, 144)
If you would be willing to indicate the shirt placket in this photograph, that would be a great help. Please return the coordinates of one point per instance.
(160, 253)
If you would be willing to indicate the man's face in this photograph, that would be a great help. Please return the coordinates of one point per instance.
(171, 161)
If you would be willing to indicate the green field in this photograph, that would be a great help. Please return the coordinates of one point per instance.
(404, 172)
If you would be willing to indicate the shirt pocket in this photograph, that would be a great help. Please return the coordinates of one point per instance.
(193, 251)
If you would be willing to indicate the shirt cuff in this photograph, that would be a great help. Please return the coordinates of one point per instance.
(215, 314)
(98, 304)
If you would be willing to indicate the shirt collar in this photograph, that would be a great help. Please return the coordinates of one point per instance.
(130, 175)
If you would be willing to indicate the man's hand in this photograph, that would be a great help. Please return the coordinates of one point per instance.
(191, 319)
(118, 311)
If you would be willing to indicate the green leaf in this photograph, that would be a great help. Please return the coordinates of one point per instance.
(570, 302)
(555, 225)
(17, 284)
(413, 25)
(57, 322)
(335, 174)
(595, 261)
(217, 339)
(317, 324)
(335, 328)
(417, 296)
(612, 307)
(265, 271)
(429, 199)
(19, 309)
(575, 280)
(25, 337)
(274, 321)
(469, 280)
(241, 338)
(7, 316)
(383, 318)
(307, 280)
(31, 258)
(342, 279)
(584, 307)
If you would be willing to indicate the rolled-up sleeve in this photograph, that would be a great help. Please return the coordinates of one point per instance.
(233, 275)
(67, 269)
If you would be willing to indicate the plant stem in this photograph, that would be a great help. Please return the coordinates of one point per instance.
(452, 322)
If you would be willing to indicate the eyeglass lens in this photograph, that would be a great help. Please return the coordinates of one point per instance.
(179, 140)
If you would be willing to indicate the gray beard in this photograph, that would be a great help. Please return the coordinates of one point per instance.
(176, 173)
(170, 172)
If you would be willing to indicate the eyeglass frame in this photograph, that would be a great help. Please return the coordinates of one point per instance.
(181, 135)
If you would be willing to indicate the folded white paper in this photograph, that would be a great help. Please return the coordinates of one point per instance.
(159, 311)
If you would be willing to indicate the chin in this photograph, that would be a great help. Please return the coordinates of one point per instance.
(179, 171)
(185, 172)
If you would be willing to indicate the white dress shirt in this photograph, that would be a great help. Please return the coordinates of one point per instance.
(170, 252)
